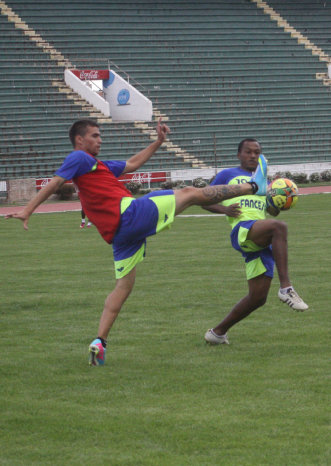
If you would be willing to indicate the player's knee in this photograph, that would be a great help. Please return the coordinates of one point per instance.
(258, 298)
(261, 301)
(258, 301)
(281, 228)
(277, 227)
(189, 190)
(125, 284)
(189, 193)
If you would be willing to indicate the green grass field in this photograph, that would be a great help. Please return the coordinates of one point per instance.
(164, 397)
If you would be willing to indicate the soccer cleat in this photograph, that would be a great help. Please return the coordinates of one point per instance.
(97, 353)
(82, 225)
(260, 176)
(292, 298)
(213, 339)
(89, 225)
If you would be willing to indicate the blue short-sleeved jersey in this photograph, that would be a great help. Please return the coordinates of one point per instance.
(78, 163)
(252, 207)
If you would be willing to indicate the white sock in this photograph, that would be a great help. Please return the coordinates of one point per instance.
(215, 334)
(286, 290)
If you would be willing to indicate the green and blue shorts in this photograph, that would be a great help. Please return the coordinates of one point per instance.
(258, 260)
(140, 218)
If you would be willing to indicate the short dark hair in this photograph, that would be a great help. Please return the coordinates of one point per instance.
(241, 143)
(79, 128)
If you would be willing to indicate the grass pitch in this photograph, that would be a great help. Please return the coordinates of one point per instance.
(163, 397)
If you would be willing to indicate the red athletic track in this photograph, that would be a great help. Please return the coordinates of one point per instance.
(75, 205)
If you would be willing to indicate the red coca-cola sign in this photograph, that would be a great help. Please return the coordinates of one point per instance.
(91, 75)
(41, 182)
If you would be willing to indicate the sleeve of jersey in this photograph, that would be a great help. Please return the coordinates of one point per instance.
(75, 164)
(220, 178)
(116, 166)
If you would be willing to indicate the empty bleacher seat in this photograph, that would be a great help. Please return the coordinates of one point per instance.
(220, 71)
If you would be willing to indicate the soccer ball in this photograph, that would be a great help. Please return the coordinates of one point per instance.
(282, 193)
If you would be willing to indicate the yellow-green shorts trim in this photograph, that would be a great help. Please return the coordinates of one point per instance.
(149, 215)
(258, 260)
(166, 206)
(124, 266)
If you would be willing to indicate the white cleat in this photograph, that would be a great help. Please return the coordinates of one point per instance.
(213, 339)
(292, 298)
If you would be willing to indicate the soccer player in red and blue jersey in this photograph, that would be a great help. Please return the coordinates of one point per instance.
(121, 220)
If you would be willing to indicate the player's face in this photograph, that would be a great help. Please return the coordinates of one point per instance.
(249, 155)
(91, 141)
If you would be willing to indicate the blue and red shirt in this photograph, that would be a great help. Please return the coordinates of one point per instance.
(100, 191)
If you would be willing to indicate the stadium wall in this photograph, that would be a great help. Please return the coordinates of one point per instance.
(22, 190)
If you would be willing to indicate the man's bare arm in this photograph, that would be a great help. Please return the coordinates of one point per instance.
(137, 160)
(232, 210)
(42, 195)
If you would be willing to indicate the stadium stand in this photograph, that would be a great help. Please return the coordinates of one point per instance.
(311, 18)
(219, 71)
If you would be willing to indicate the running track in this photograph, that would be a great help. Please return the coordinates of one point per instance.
(75, 205)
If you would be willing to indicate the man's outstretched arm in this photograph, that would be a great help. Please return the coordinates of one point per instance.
(137, 160)
(232, 210)
(42, 195)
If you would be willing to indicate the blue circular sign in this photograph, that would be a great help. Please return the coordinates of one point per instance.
(123, 97)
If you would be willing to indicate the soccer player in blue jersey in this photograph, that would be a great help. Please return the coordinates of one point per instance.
(261, 241)
(121, 220)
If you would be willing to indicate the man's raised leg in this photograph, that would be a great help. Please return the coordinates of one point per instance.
(210, 195)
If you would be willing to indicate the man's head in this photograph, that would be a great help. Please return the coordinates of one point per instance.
(85, 135)
(249, 150)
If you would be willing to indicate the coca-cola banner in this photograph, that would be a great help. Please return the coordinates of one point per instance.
(91, 75)
(147, 177)
(142, 177)
(41, 182)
